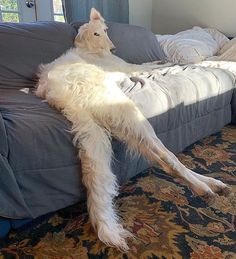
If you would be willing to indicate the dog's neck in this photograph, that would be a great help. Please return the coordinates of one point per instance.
(107, 61)
(84, 49)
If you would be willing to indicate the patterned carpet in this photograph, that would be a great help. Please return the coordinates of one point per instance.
(166, 219)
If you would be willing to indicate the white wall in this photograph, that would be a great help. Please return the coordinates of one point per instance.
(171, 16)
(140, 13)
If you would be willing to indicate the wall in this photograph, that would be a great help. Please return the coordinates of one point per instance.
(171, 16)
(140, 13)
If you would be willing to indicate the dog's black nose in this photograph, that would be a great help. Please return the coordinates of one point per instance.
(113, 50)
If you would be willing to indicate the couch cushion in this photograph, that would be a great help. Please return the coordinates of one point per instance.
(23, 46)
(40, 169)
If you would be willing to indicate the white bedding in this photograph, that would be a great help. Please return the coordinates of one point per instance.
(203, 47)
(193, 45)
(227, 52)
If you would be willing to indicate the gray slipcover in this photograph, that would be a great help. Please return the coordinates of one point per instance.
(39, 170)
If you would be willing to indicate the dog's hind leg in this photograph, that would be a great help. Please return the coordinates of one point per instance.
(203, 186)
(138, 134)
(95, 154)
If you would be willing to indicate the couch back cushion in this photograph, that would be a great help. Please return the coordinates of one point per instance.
(134, 44)
(23, 46)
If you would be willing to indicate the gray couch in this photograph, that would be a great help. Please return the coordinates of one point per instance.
(39, 171)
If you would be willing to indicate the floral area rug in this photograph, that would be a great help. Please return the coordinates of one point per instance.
(167, 220)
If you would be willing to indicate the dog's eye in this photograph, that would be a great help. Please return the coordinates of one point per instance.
(96, 34)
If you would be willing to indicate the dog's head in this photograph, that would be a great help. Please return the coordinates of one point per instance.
(93, 36)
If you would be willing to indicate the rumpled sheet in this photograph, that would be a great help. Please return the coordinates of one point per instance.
(172, 86)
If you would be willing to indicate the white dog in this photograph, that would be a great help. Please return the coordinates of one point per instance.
(84, 85)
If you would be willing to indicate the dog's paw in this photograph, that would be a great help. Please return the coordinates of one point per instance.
(219, 187)
(209, 198)
(115, 236)
(224, 191)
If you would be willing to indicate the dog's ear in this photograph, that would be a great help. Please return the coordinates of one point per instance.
(81, 36)
(95, 15)
(77, 39)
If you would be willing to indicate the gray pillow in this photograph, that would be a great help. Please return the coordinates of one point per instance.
(134, 44)
(23, 46)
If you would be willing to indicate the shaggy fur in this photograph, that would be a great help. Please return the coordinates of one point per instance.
(84, 85)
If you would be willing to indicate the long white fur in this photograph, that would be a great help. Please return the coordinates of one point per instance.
(84, 85)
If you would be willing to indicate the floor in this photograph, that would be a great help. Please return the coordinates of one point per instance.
(167, 220)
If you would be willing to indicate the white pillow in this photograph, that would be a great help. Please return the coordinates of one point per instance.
(218, 36)
(227, 46)
(190, 46)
